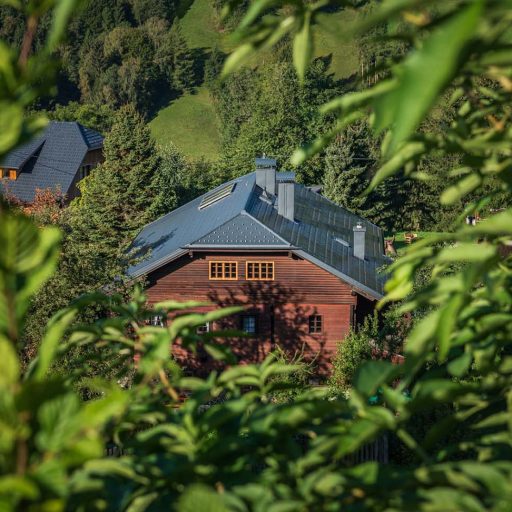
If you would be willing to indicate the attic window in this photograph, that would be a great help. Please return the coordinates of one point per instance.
(341, 241)
(10, 174)
(216, 195)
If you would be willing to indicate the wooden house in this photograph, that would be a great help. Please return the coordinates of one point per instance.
(64, 154)
(304, 269)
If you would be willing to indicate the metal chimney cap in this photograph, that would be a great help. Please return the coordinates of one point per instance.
(266, 163)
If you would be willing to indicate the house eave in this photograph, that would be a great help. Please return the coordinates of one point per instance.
(147, 269)
(358, 287)
(241, 247)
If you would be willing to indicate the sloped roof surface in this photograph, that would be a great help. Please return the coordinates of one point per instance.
(18, 157)
(324, 231)
(242, 230)
(62, 148)
(248, 218)
(170, 234)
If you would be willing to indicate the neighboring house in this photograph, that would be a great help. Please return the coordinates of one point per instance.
(304, 269)
(64, 154)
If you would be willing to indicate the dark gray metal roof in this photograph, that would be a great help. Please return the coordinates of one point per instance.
(242, 230)
(322, 232)
(266, 162)
(169, 235)
(57, 156)
(285, 176)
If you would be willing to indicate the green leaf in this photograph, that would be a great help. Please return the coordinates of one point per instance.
(9, 363)
(220, 353)
(19, 486)
(467, 252)
(238, 58)
(398, 161)
(372, 374)
(28, 258)
(55, 417)
(50, 342)
(200, 498)
(303, 47)
(447, 322)
(424, 75)
(458, 367)
(460, 189)
(11, 123)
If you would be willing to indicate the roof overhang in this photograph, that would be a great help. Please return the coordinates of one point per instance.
(241, 248)
(358, 287)
(151, 267)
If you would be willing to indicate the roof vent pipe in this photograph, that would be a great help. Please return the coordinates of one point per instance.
(286, 200)
(266, 174)
(359, 241)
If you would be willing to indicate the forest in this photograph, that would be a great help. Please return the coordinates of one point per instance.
(134, 53)
(95, 414)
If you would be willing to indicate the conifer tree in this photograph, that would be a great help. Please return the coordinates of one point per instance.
(349, 162)
(183, 62)
(117, 199)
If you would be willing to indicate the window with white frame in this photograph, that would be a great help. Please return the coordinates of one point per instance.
(250, 324)
(203, 329)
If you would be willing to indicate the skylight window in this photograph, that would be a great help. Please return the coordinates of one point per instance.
(341, 241)
(217, 195)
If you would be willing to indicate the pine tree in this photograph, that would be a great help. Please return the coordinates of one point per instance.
(183, 75)
(173, 170)
(117, 199)
(349, 162)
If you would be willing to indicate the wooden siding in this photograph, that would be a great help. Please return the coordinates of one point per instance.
(295, 280)
(94, 158)
(283, 306)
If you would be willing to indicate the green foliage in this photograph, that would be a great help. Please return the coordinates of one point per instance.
(143, 10)
(456, 356)
(267, 111)
(229, 445)
(117, 199)
(183, 75)
(96, 117)
(357, 347)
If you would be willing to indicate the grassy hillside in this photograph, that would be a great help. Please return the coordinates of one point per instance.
(191, 124)
(328, 41)
(190, 121)
(199, 24)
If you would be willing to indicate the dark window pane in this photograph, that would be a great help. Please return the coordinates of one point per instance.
(315, 324)
(249, 324)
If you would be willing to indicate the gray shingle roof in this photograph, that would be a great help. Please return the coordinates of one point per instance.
(62, 148)
(248, 218)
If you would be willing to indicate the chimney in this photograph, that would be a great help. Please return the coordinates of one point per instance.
(266, 174)
(286, 200)
(359, 241)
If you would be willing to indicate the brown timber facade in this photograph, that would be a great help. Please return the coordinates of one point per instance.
(302, 309)
(303, 269)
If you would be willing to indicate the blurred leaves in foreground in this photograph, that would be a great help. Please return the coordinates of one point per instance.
(231, 445)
